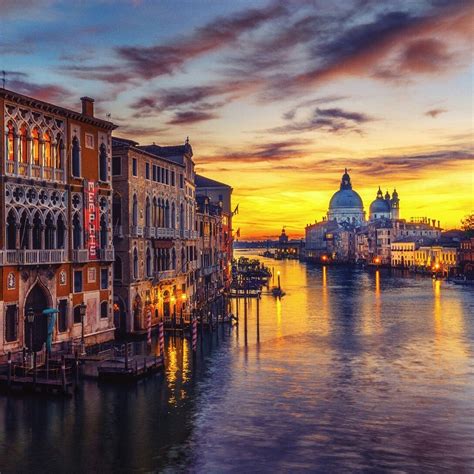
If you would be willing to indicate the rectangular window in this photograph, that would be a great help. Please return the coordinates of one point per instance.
(116, 166)
(104, 278)
(11, 323)
(62, 316)
(181, 181)
(154, 173)
(77, 281)
(89, 140)
(172, 179)
(134, 167)
(160, 174)
(147, 170)
(91, 275)
(167, 176)
(104, 310)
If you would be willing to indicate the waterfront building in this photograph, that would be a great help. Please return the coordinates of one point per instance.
(220, 194)
(346, 205)
(466, 257)
(56, 243)
(211, 264)
(287, 248)
(154, 233)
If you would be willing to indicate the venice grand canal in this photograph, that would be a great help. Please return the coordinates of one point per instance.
(354, 371)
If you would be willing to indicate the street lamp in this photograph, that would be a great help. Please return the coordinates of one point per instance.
(30, 317)
(82, 312)
(183, 302)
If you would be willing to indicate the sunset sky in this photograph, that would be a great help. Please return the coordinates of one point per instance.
(277, 98)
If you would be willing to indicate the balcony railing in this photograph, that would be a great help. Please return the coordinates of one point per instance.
(107, 254)
(150, 232)
(136, 231)
(165, 275)
(163, 233)
(29, 170)
(33, 257)
(80, 255)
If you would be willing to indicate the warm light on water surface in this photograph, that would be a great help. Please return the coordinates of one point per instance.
(354, 371)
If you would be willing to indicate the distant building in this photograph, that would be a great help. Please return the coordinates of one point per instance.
(466, 257)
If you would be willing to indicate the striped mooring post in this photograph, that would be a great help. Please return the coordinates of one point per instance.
(161, 339)
(148, 324)
(195, 335)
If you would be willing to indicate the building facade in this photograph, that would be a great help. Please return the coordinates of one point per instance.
(154, 234)
(56, 243)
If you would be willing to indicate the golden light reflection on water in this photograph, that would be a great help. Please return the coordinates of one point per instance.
(323, 326)
(438, 322)
(279, 332)
(378, 303)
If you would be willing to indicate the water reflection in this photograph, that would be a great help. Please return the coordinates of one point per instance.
(354, 371)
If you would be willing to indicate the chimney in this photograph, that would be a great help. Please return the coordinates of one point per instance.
(87, 106)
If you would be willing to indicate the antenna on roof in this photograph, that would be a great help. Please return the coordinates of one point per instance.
(4, 78)
(187, 141)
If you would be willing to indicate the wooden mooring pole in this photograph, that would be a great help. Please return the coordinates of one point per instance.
(9, 369)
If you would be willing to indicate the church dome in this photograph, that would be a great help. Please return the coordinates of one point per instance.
(379, 206)
(346, 197)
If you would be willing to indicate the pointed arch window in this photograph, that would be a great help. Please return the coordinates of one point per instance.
(103, 232)
(24, 230)
(76, 232)
(135, 210)
(76, 158)
(49, 232)
(10, 142)
(173, 216)
(135, 263)
(37, 231)
(23, 145)
(148, 263)
(59, 152)
(103, 162)
(35, 147)
(48, 150)
(11, 231)
(147, 213)
(167, 214)
(60, 232)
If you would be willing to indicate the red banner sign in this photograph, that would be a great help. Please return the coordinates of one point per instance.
(91, 218)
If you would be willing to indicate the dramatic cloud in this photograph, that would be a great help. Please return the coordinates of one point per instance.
(433, 113)
(19, 82)
(190, 117)
(332, 120)
(158, 60)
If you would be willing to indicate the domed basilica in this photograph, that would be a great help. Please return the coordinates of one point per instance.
(346, 206)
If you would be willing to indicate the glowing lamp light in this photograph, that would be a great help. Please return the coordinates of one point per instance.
(278, 272)
(173, 299)
(183, 296)
(377, 260)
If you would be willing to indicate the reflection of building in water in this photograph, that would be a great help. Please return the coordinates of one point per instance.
(287, 248)
(345, 236)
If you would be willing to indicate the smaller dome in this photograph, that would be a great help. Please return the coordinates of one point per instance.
(379, 206)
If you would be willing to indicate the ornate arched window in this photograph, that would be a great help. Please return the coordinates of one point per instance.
(23, 145)
(103, 162)
(24, 230)
(147, 213)
(155, 213)
(173, 216)
(148, 263)
(167, 214)
(59, 152)
(103, 231)
(135, 263)
(76, 232)
(76, 158)
(35, 147)
(173, 259)
(60, 232)
(48, 150)
(49, 232)
(37, 231)
(135, 210)
(181, 217)
(11, 230)
(10, 142)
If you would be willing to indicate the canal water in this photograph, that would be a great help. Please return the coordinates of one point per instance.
(354, 371)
